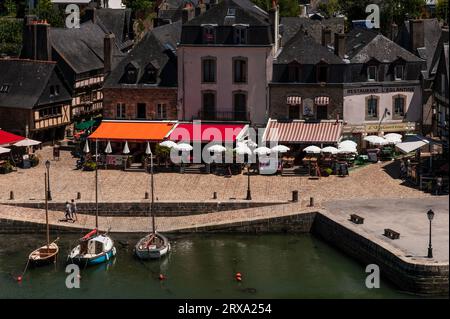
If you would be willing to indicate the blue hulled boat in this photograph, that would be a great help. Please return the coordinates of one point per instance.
(93, 249)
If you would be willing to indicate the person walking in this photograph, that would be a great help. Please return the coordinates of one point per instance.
(68, 212)
(74, 210)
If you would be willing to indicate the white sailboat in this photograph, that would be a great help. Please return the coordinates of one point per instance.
(154, 245)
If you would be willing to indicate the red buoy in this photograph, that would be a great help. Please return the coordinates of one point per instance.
(161, 277)
(19, 278)
(238, 276)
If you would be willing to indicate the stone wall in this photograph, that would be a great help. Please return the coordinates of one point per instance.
(161, 208)
(415, 277)
(8, 226)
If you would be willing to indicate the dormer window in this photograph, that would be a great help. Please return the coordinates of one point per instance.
(209, 34)
(240, 34)
(399, 72)
(150, 75)
(54, 90)
(294, 72)
(372, 73)
(231, 12)
(322, 73)
(4, 88)
(131, 73)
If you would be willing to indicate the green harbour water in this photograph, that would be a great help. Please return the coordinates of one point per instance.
(199, 266)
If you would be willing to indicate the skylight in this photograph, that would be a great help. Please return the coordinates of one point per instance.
(4, 88)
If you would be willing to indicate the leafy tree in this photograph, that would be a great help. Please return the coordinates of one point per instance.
(46, 11)
(442, 10)
(138, 5)
(10, 36)
(289, 8)
(10, 8)
(330, 8)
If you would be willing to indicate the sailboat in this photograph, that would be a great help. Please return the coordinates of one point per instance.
(48, 253)
(154, 245)
(95, 247)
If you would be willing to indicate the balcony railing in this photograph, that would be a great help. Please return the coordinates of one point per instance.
(222, 116)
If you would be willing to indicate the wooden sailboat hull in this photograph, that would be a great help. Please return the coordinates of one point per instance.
(43, 256)
(146, 252)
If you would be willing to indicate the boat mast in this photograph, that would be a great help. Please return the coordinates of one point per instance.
(153, 193)
(96, 185)
(46, 211)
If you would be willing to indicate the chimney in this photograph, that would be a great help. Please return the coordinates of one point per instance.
(303, 11)
(274, 16)
(339, 44)
(187, 14)
(326, 36)
(417, 34)
(394, 31)
(108, 43)
(36, 39)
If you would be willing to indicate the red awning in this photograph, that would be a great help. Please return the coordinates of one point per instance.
(302, 132)
(207, 132)
(9, 138)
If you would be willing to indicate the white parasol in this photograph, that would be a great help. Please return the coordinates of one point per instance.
(168, 144)
(217, 148)
(347, 143)
(183, 147)
(148, 150)
(4, 150)
(262, 150)
(108, 149)
(126, 150)
(86, 147)
(393, 138)
(280, 149)
(27, 142)
(330, 149)
(347, 149)
(312, 149)
(243, 149)
(375, 140)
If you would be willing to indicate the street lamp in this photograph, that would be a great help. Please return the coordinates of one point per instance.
(430, 215)
(49, 194)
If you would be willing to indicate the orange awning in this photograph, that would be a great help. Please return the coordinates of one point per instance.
(132, 131)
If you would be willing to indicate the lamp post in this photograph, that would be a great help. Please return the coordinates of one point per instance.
(49, 194)
(430, 215)
(249, 192)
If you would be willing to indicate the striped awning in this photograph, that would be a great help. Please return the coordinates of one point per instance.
(302, 132)
(294, 100)
(322, 100)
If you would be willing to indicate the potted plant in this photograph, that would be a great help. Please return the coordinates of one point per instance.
(89, 166)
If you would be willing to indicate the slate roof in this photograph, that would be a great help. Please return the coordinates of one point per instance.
(82, 48)
(432, 34)
(363, 45)
(117, 21)
(153, 48)
(27, 82)
(303, 49)
(246, 13)
(291, 25)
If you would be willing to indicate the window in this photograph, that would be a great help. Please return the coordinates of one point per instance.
(209, 105)
(240, 70)
(294, 111)
(131, 74)
(371, 73)
(398, 72)
(50, 112)
(240, 34)
(150, 75)
(322, 73)
(372, 107)
(54, 90)
(4, 88)
(209, 34)
(231, 12)
(209, 70)
(240, 106)
(399, 106)
(294, 72)
(141, 111)
(161, 111)
(120, 111)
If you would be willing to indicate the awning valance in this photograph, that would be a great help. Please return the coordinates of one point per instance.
(7, 138)
(322, 100)
(132, 131)
(302, 132)
(294, 100)
(208, 132)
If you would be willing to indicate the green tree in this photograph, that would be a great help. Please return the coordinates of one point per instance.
(10, 36)
(289, 8)
(442, 10)
(138, 5)
(46, 11)
(329, 8)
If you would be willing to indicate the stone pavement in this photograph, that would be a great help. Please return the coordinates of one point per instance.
(406, 216)
(370, 181)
